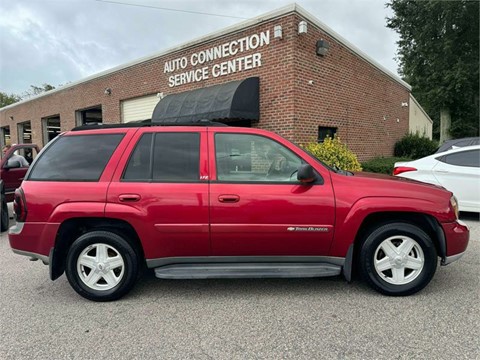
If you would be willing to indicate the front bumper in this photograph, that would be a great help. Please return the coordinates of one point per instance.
(457, 235)
(450, 259)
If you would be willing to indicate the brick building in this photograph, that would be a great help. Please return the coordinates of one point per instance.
(312, 82)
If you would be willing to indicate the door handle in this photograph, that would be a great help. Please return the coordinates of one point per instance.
(129, 197)
(441, 171)
(228, 198)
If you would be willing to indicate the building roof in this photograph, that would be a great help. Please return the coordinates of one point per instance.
(281, 12)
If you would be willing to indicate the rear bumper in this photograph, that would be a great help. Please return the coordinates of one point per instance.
(45, 259)
(457, 235)
(33, 239)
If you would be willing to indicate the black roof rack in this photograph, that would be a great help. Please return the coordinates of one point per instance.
(148, 122)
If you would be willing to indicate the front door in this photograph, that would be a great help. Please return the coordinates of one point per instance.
(13, 177)
(258, 208)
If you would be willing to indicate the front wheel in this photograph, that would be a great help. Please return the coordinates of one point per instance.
(101, 266)
(398, 259)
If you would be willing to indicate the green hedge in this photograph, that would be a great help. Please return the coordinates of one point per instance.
(382, 165)
(415, 147)
(335, 154)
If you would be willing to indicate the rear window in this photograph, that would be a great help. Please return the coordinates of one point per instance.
(469, 158)
(76, 158)
(165, 157)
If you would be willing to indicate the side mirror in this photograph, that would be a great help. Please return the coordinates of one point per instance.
(306, 174)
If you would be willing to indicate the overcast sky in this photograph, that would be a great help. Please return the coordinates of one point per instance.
(61, 41)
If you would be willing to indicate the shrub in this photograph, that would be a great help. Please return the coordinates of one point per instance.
(335, 154)
(382, 165)
(415, 146)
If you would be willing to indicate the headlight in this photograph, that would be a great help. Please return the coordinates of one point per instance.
(454, 203)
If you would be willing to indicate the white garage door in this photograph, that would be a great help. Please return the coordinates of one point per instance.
(138, 109)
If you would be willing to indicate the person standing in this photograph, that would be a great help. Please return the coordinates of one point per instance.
(14, 157)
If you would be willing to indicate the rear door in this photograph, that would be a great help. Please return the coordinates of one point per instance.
(13, 177)
(161, 188)
(258, 208)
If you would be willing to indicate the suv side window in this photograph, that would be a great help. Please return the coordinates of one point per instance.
(165, 157)
(76, 158)
(464, 158)
(253, 158)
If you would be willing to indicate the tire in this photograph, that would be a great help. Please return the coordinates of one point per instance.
(101, 266)
(398, 259)
(4, 219)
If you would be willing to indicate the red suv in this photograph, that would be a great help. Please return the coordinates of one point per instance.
(193, 202)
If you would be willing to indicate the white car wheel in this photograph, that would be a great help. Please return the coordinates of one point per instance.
(100, 267)
(399, 260)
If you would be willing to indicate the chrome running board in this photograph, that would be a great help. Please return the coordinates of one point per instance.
(246, 270)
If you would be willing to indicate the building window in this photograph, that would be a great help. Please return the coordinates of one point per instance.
(324, 132)
(5, 136)
(89, 116)
(25, 133)
(51, 128)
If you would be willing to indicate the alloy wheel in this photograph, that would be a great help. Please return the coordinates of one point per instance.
(399, 260)
(100, 267)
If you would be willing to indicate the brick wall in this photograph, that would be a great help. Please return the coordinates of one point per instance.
(347, 92)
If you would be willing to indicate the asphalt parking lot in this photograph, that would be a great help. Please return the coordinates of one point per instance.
(241, 319)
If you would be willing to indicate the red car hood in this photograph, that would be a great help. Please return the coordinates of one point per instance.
(395, 179)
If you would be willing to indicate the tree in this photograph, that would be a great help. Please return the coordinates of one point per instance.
(439, 56)
(36, 90)
(6, 99)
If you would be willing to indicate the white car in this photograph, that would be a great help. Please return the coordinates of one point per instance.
(457, 170)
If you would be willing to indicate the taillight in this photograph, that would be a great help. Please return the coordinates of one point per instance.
(19, 206)
(402, 169)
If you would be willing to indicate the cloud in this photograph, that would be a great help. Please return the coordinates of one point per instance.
(55, 42)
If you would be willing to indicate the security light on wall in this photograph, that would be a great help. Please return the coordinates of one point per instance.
(302, 27)
(11, 118)
(108, 91)
(277, 31)
(322, 47)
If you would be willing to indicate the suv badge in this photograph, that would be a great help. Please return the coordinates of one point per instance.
(307, 228)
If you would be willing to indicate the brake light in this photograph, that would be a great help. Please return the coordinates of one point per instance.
(20, 206)
(402, 169)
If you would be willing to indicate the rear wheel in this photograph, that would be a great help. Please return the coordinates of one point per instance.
(101, 266)
(398, 259)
